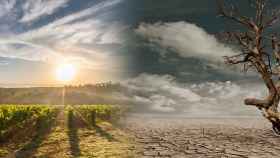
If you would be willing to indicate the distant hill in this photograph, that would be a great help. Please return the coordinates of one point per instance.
(85, 94)
(14, 85)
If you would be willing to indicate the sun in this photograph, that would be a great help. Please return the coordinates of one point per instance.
(66, 72)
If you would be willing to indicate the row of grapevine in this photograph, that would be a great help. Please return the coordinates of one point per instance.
(12, 116)
(95, 113)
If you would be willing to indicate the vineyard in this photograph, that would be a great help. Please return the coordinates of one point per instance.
(35, 121)
(15, 116)
(96, 113)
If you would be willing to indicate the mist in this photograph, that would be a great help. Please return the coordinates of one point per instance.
(163, 94)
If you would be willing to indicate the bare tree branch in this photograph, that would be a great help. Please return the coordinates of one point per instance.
(254, 53)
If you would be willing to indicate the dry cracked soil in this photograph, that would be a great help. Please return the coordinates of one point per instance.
(173, 137)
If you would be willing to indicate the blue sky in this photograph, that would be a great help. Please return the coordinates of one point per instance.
(38, 35)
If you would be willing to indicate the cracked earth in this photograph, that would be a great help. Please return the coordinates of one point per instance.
(203, 138)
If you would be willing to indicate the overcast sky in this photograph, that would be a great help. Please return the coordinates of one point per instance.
(177, 62)
(177, 37)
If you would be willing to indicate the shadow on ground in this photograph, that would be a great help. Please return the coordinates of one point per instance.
(103, 133)
(43, 129)
(73, 135)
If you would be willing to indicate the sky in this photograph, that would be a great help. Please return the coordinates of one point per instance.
(178, 38)
(164, 52)
(176, 62)
(111, 40)
(36, 36)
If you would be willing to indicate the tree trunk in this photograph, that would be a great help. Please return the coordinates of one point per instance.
(276, 128)
(269, 105)
(252, 42)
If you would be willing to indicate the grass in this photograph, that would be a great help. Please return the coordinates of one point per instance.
(43, 129)
(73, 135)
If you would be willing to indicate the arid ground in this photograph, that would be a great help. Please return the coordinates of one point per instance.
(204, 137)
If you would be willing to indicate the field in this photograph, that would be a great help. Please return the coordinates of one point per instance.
(63, 131)
(102, 131)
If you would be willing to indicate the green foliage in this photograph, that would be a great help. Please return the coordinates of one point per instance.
(16, 115)
(13, 116)
(93, 113)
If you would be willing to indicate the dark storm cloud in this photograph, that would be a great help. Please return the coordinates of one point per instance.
(176, 62)
(185, 29)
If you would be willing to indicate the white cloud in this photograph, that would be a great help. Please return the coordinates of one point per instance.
(187, 39)
(4, 63)
(6, 7)
(34, 9)
(89, 13)
(163, 93)
(72, 37)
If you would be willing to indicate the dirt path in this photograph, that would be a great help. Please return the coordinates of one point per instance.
(56, 144)
(204, 138)
(68, 137)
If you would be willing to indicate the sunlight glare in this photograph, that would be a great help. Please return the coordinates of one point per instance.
(66, 72)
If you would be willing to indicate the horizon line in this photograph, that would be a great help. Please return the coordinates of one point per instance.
(24, 85)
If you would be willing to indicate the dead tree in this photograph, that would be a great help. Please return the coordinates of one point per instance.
(260, 51)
